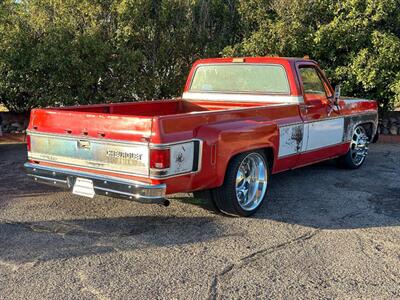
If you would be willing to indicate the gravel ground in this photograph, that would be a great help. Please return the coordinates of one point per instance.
(325, 233)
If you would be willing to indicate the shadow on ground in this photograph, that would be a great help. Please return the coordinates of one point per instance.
(323, 196)
(48, 240)
(13, 179)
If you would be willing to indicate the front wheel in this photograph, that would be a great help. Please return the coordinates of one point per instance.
(245, 185)
(358, 151)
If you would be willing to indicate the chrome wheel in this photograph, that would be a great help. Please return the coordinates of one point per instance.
(359, 146)
(251, 181)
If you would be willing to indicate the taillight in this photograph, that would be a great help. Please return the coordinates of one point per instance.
(28, 142)
(160, 158)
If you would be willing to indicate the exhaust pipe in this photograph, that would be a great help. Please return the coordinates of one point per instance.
(165, 203)
(161, 202)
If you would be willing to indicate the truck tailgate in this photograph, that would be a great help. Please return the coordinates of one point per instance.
(93, 140)
(116, 127)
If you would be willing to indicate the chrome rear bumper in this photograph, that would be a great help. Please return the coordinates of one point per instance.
(103, 185)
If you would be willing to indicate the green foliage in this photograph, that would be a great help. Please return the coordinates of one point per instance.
(54, 53)
(89, 51)
(357, 42)
(84, 51)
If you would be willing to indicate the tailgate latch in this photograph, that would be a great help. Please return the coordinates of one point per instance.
(83, 144)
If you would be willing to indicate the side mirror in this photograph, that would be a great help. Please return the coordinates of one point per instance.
(336, 96)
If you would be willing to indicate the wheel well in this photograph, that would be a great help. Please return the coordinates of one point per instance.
(369, 128)
(268, 152)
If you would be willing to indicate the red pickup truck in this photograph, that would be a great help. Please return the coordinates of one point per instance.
(239, 121)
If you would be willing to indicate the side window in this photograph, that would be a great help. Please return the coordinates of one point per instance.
(312, 83)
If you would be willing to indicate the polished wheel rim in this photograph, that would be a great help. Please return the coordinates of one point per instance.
(251, 181)
(359, 145)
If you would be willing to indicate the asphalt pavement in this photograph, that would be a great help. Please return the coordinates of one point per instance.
(324, 233)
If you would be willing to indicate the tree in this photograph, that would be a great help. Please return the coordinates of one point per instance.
(79, 52)
(89, 51)
(52, 53)
(356, 41)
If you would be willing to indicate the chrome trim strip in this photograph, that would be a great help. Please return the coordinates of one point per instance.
(325, 119)
(290, 124)
(47, 178)
(351, 100)
(242, 97)
(158, 146)
(227, 109)
(84, 174)
(69, 164)
(136, 196)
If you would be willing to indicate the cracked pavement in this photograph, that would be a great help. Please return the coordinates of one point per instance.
(325, 233)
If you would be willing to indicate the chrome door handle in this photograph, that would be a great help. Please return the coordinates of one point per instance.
(307, 107)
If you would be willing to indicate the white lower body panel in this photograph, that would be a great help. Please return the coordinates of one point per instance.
(324, 133)
(298, 138)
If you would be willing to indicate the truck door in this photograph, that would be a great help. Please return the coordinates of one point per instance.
(322, 131)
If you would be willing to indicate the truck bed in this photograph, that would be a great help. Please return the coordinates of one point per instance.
(142, 121)
(159, 107)
(134, 121)
(60, 135)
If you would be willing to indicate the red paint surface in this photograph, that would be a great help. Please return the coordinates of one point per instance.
(226, 128)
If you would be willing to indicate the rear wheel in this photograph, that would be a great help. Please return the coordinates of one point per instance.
(358, 151)
(245, 185)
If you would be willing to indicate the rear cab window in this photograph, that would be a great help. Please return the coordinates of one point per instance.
(237, 78)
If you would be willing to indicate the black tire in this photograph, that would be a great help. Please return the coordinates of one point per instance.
(348, 160)
(225, 197)
(376, 138)
(345, 162)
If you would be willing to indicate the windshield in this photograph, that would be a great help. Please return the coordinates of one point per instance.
(240, 78)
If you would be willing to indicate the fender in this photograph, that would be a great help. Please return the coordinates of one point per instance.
(352, 121)
(227, 139)
(359, 111)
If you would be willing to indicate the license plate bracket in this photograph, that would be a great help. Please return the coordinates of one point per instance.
(83, 187)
